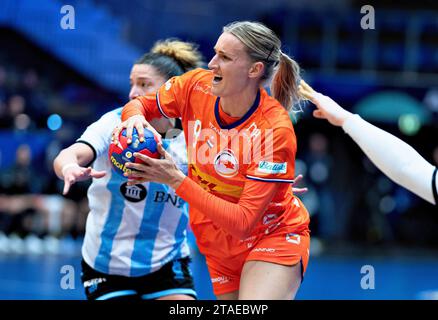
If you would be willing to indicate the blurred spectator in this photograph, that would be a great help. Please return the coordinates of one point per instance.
(319, 163)
(33, 93)
(4, 116)
(21, 177)
(3, 92)
(32, 213)
(431, 100)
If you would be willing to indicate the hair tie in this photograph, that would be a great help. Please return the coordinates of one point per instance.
(272, 49)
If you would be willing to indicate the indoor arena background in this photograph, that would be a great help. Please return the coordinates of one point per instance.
(371, 239)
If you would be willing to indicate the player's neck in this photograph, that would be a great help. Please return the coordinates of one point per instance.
(237, 105)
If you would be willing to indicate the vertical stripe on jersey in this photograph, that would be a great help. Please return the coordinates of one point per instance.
(144, 245)
(180, 235)
(110, 228)
(169, 243)
(124, 241)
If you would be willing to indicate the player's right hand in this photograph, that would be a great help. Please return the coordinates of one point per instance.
(326, 107)
(76, 173)
(139, 123)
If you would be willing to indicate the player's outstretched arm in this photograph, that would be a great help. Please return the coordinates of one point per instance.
(68, 165)
(395, 158)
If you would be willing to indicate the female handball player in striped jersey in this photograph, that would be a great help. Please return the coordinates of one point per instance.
(241, 145)
(399, 161)
(135, 244)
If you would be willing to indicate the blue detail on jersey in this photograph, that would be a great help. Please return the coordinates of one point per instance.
(93, 288)
(163, 293)
(117, 294)
(241, 120)
(112, 224)
(177, 270)
(144, 246)
(181, 231)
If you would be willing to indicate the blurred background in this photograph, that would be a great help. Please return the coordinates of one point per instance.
(54, 82)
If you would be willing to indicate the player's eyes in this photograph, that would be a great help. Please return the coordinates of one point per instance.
(222, 56)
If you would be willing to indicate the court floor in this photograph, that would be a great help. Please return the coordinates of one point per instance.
(328, 277)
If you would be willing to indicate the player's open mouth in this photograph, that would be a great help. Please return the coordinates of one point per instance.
(217, 79)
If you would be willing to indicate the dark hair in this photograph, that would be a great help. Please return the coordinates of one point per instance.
(172, 57)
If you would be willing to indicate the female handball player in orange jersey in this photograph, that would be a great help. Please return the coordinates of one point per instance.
(241, 145)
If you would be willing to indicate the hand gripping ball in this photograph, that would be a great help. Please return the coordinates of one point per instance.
(118, 156)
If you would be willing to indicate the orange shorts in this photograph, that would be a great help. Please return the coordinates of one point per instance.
(226, 255)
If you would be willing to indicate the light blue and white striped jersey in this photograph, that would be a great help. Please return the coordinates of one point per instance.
(132, 231)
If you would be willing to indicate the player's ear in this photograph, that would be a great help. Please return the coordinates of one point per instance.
(256, 70)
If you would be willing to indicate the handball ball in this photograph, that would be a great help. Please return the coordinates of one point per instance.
(119, 156)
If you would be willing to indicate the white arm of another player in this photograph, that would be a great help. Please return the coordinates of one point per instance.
(395, 158)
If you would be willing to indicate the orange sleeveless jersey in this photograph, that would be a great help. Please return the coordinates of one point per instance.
(226, 153)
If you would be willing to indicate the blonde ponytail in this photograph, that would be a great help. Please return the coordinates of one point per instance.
(284, 85)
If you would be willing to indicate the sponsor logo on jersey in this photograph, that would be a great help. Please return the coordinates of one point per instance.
(161, 196)
(226, 164)
(204, 88)
(94, 281)
(267, 219)
(296, 202)
(220, 279)
(168, 85)
(272, 227)
(269, 250)
(138, 192)
(91, 285)
(293, 238)
(272, 167)
(135, 193)
(251, 238)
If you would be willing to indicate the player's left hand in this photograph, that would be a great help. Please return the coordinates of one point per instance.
(77, 173)
(139, 123)
(157, 170)
(298, 190)
(326, 108)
